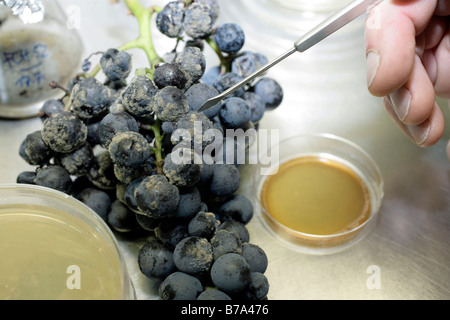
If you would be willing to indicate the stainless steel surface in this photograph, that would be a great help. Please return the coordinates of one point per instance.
(310, 38)
(325, 91)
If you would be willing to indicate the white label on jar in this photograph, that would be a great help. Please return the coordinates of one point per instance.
(23, 72)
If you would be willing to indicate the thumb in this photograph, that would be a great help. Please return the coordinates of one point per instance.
(390, 51)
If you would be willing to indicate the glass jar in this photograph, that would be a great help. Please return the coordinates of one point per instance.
(37, 46)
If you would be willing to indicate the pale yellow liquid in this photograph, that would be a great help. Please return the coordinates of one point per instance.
(38, 244)
(316, 196)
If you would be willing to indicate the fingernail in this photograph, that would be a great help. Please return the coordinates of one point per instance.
(401, 101)
(420, 132)
(373, 62)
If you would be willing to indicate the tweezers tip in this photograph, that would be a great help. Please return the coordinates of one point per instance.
(208, 104)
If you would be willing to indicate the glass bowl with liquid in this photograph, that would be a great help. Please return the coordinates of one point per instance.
(321, 196)
(53, 247)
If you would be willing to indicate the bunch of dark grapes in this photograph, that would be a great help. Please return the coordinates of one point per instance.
(111, 145)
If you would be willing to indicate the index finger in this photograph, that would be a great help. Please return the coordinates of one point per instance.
(391, 42)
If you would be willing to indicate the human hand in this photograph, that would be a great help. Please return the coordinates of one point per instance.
(408, 63)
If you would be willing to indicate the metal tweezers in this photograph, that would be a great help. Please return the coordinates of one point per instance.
(312, 37)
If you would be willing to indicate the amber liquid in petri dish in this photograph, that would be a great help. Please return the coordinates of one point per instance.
(317, 196)
(40, 249)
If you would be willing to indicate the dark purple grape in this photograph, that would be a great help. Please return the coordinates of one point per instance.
(77, 162)
(238, 208)
(225, 242)
(49, 108)
(198, 94)
(169, 20)
(64, 132)
(213, 294)
(155, 260)
(198, 20)
(116, 64)
(113, 123)
(235, 113)
(129, 149)
(26, 177)
(180, 286)
(255, 256)
(193, 255)
(121, 218)
(225, 180)
(258, 288)
(54, 177)
(90, 99)
(137, 97)
(192, 60)
(230, 273)
(171, 75)
(37, 152)
(156, 197)
(229, 37)
(97, 200)
(203, 224)
(270, 91)
(170, 104)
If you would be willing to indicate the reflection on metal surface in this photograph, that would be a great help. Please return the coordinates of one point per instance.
(407, 255)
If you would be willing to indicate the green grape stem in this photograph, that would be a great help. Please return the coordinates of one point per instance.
(145, 42)
(224, 62)
(157, 147)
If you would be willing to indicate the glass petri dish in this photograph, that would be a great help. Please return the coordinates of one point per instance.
(57, 248)
(321, 196)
